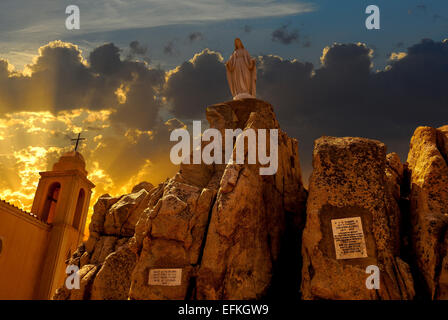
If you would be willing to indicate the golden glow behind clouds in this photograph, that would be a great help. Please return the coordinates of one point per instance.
(116, 157)
(118, 154)
(33, 141)
(397, 55)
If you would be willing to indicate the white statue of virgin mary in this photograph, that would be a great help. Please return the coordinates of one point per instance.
(241, 72)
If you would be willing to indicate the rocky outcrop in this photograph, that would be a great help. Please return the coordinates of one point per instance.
(428, 169)
(169, 235)
(230, 232)
(223, 231)
(223, 225)
(142, 185)
(248, 221)
(105, 260)
(353, 178)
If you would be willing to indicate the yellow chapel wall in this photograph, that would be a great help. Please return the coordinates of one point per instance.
(24, 240)
(70, 242)
(64, 238)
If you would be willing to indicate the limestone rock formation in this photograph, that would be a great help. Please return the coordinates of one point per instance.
(223, 231)
(143, 185)
(105, 260)
(353, 177)
(250, 215)
(428, 166)
(234, 233)
(223, 225)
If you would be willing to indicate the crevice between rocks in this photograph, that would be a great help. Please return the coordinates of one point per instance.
(441, 252)
(407, 253)
(191, 290)
(440, 148)
(287, 271)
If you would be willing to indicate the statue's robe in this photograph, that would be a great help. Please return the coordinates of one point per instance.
(241, 73)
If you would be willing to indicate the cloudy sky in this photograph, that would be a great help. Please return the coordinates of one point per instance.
(137, 69)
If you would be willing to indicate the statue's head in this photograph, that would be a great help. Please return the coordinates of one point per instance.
(238, 44)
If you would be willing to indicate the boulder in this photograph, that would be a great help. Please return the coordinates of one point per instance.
(114, 278)
(122, 216)
(351, 223)
(427, 161)
(104, 247)
(105, 260)
(99, 212)
(142, 185)
(87, 275)
(169, 235)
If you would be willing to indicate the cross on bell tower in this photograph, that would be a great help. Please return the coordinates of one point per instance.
(77, 141)
(62, 201)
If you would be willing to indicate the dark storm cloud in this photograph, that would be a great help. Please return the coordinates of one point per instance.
(277, 78)
(105, 59)
(195, 36)
(168, 49)
(285, 36)
(141, 108)
(349, 59)
(61, 80)
(137, 48)
(139, 83)
(3, 69)
(345, 96)
(196, 84)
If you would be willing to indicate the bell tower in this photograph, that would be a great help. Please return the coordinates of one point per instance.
(62, 200)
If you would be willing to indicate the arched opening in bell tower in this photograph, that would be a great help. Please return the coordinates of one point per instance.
(78, 212)
(51, 200)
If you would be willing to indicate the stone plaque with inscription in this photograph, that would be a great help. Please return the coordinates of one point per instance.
(165, 277)
(349, 241)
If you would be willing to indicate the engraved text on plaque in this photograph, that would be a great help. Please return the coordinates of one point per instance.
(349, 239)
(165, 277)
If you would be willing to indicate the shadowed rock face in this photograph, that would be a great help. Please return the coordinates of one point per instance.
(352, 177)
(428, 167)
